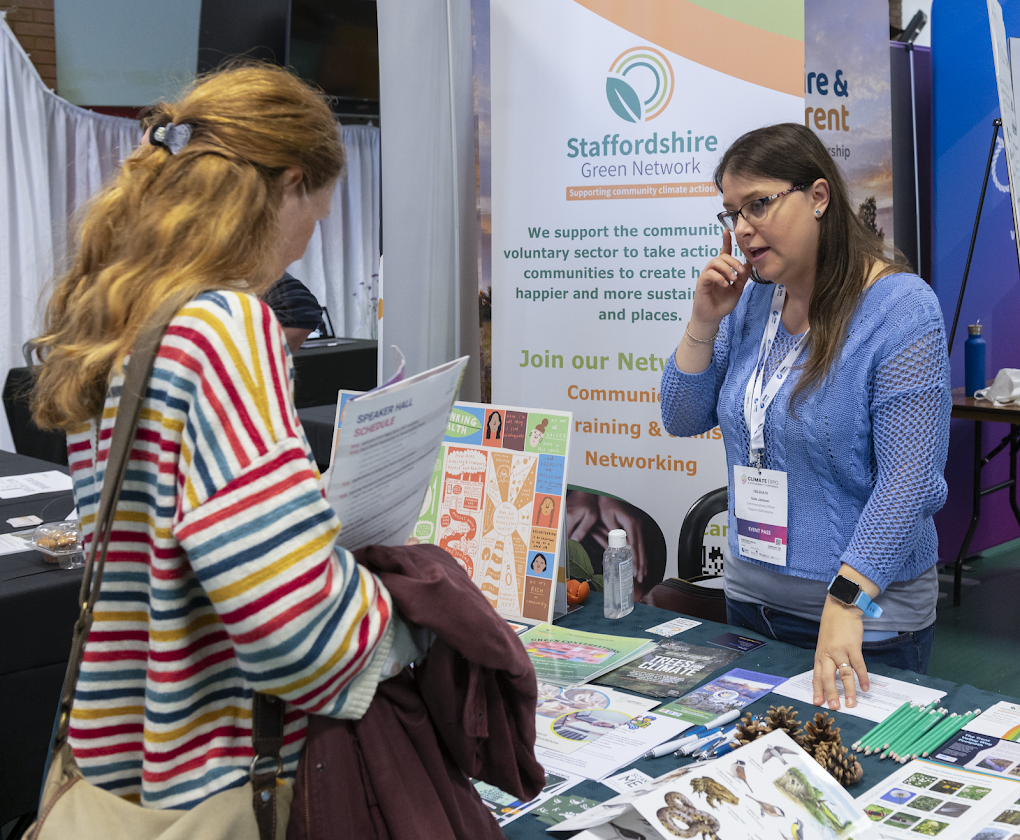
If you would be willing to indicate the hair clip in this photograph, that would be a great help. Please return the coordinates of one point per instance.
(171, 137)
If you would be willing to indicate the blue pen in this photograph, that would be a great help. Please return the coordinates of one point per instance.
(707, 748)
(725, 748)
(710, 737)
(719, 740)
(688, 748)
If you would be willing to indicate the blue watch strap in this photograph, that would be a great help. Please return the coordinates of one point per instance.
(867, 606)
(862, 601)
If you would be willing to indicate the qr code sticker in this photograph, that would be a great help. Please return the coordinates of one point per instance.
(712, 558)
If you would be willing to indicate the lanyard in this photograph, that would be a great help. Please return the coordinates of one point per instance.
(758, 396)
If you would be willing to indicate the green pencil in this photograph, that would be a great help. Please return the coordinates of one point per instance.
(938, 735)
(910, 750)
(877, 744)
(906, 735)
(877, 729)
(907, 723)
(903, 746)
(961, 722)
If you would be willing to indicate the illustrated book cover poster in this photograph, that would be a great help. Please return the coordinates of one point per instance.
(669, 670)
(732, 690)
(571, 657)
(495, 502)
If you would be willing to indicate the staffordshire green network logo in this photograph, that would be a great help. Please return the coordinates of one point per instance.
(640, 84)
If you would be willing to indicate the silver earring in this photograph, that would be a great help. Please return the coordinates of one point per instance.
(818, 213)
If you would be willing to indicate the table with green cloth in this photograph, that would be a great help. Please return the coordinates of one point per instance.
(776, 658)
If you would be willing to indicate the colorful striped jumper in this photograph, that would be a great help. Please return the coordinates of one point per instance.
(222, 576)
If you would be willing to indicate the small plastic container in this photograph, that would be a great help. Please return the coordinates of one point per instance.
(61, 543)
(618, 576)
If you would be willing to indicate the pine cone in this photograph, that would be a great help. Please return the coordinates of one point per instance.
(839, 762)
(820, 730)
(785, 718)
(749, 729)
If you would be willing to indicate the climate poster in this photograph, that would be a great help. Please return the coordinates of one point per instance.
(600, 126)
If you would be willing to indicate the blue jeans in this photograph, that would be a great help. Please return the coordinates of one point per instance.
(909, 651)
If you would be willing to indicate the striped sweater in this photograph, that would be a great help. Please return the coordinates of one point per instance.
(222, 576)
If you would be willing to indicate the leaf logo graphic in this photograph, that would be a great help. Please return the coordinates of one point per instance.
(645, 94)
(623, 99)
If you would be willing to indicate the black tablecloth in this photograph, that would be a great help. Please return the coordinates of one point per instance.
(319, 372)
(38, 607)
(774, 658)
(317, 422)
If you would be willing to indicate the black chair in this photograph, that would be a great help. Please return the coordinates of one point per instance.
(29, 439)
(694, 593)
(692, 532)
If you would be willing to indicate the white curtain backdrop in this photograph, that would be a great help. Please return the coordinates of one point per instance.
(341, 265)
(426, 96)
(53, 156)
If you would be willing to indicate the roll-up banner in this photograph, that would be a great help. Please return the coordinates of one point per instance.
(847, 100)
(607, 120)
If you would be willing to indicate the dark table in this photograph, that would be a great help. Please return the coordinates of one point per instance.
(774, 658)
(38, 608)
(337, 363)
(982, 411)
(317, 422)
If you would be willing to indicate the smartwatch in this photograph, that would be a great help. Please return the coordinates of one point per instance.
(850, 593)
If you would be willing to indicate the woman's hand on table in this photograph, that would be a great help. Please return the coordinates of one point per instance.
(840, 635)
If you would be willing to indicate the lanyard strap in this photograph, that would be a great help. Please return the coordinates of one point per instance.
(758, 395)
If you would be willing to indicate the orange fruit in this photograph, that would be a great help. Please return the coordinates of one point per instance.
(577, 591)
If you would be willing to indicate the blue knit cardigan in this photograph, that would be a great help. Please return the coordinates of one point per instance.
(864, 453)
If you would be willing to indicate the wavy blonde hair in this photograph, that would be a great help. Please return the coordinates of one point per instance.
(172, 226)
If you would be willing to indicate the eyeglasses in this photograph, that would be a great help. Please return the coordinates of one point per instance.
(755, 211)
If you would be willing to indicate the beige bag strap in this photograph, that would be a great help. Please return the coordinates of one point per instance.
(267, 711)
(132, 394)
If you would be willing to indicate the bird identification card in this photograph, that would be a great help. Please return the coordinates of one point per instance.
(760, 506)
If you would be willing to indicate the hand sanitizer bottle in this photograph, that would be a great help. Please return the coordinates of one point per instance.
(618, 576)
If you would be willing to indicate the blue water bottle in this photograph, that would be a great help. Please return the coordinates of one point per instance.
(974, 360)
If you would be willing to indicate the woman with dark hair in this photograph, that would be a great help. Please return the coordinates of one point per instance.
(835, 476)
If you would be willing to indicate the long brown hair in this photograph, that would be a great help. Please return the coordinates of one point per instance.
(847, 250)
(170, 226)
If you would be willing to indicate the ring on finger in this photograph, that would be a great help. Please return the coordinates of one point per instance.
(844, 665)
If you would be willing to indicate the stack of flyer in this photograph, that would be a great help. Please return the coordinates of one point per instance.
(572, 657)
(768, 789)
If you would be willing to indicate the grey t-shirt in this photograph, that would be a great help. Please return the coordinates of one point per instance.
(907, 606)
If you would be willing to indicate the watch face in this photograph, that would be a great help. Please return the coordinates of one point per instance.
(845, 590)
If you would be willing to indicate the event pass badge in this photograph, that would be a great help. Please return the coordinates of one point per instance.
(760, 507)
